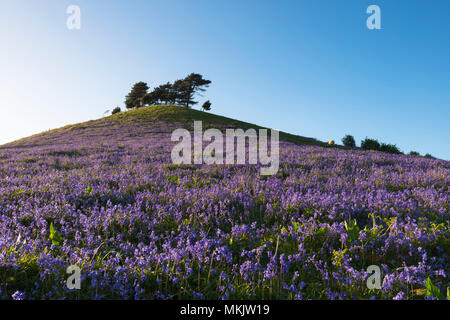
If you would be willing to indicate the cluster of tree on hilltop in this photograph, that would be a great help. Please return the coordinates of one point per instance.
(181, 92)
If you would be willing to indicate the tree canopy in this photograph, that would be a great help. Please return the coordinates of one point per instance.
(181, 92)
(349, 141)
(137, 93)
(189, 86)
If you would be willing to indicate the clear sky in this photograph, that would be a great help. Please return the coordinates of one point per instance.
(308, 67)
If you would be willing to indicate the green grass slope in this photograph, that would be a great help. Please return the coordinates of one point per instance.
(151, 116)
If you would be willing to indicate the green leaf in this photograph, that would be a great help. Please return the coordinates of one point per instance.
(321, 232)
(352, 230)
(448, 293)
(54, 236)
(433, 290)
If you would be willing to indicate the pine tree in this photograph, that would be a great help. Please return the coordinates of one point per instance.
(149, 99)
(134, 98)
(189, 86)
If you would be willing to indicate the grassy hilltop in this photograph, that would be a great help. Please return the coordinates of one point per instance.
(148, 119)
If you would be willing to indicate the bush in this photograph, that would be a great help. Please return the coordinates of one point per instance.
(207, 106)
(370, 144)
(391, 148)
(414, 153)
(429, 156)
(349, 141)
(116, 110)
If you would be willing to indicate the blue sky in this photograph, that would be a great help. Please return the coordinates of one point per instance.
(306, 67)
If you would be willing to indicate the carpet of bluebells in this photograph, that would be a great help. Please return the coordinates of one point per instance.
(107, 198)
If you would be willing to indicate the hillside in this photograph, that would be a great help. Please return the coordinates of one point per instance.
(145, 121)
(104, 195)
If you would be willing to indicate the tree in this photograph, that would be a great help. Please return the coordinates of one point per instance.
(162, 94)
(115, 110)
(149, 99)
(129, 104)
(178, 88)
(181, 89)
(134, 98)
(414, 153)
(349, 141)
(206, 106)
(370, 144)
(171, 93)
(189, 86)
(391, 148)
(165, 92)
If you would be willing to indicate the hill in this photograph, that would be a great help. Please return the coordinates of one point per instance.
(147, 121)
(105, 196)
